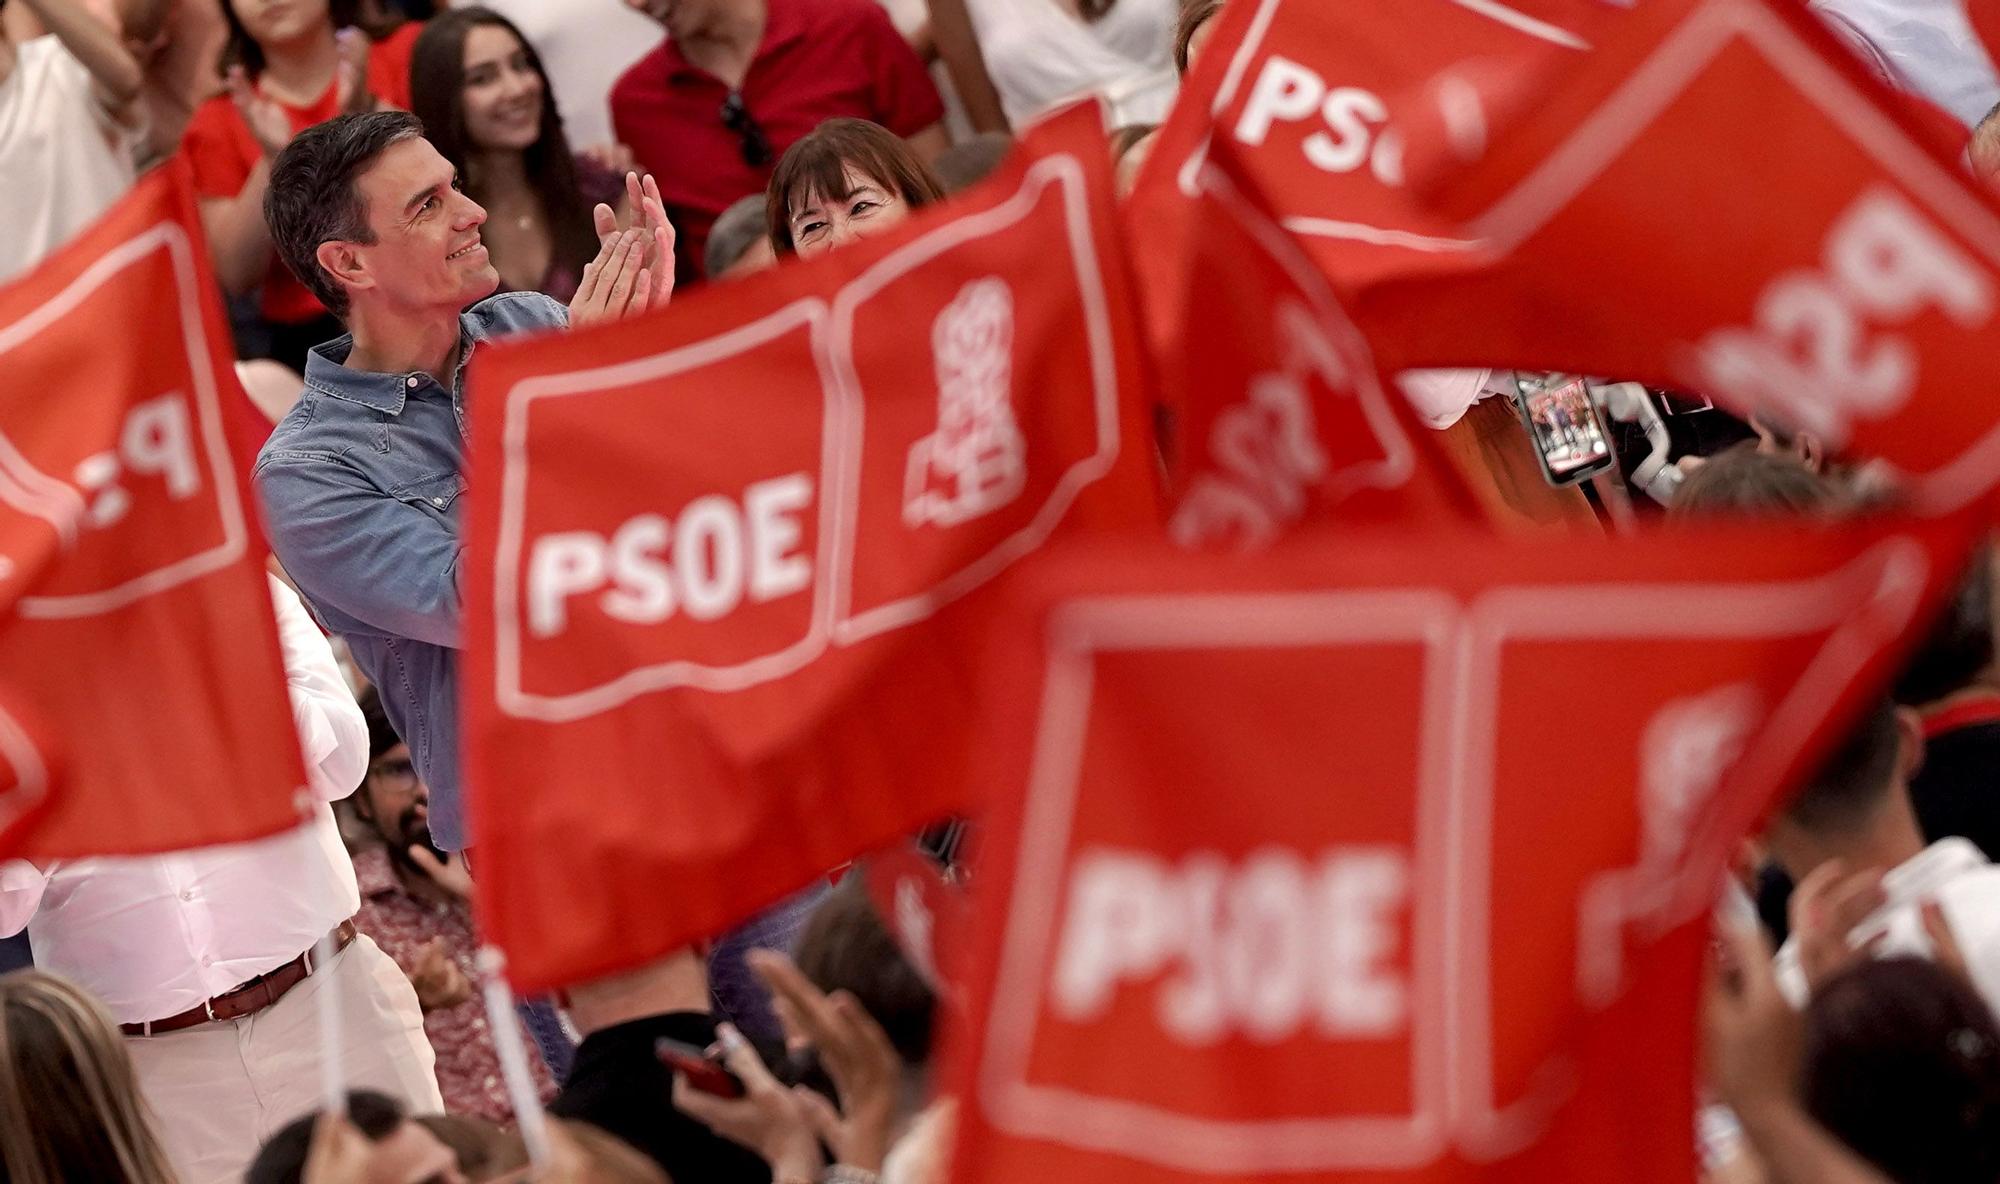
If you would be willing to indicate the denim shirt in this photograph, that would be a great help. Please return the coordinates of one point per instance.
(360, 485)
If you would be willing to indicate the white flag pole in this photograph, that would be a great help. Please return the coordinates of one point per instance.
(505, 1026)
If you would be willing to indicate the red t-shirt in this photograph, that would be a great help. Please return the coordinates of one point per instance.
(819, 59)
(222, 152)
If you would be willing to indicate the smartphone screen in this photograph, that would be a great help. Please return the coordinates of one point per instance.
(1568, 435)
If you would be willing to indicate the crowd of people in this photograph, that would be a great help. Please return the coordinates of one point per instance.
(385, 187)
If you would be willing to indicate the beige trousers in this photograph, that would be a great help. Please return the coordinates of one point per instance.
(217, 1091)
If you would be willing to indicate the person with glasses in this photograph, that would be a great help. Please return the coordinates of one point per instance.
(737, 82)
(416, 904)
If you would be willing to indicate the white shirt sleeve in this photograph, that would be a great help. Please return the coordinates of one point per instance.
(21, 888)
(333, 737)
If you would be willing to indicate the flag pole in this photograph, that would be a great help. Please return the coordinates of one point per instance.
(505, 1026)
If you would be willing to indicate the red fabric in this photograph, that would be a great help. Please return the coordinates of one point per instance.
(701, 757)
(1852, 297)
(1985, 709)
(1433, 824)
(1286, 82)
(219, 146)
(141, 626)
(1280, 413)
(819, 59)
(402, 923)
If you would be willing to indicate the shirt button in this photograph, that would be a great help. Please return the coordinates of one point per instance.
(437, 501)
(187, 894)
(208, 960)
(411, 382)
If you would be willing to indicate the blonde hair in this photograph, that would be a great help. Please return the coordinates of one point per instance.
(69, 1100)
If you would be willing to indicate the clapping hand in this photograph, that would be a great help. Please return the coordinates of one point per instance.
(642, 196)
(267, 121)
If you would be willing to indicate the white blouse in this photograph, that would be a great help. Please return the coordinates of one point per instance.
(1040, 56)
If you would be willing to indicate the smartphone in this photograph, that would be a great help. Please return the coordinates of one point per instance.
(701, 1072)
(1569, 436)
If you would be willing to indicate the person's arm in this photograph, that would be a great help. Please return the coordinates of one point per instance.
(384, 562)
(1753, 1042)
(115, 75)
(930, 143)
(957, 46)
(239, 240)
(333, 736)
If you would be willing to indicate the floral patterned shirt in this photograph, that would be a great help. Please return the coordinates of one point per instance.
(402, 923)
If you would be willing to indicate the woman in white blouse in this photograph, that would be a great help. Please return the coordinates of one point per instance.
(1039, 54)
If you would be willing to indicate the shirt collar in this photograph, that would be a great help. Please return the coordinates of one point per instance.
(1921, 875)
(784, 23)
(328, 373)
(373, 873)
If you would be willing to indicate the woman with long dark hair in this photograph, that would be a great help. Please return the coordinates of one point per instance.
(485, 101)
(291, 64)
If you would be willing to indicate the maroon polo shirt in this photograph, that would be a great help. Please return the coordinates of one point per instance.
(819, 59)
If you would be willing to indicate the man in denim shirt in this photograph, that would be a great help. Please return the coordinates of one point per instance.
(360, 482)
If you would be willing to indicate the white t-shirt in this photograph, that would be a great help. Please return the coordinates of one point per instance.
(1923, 46)
(1966, 886)
(585, 45)
(1040, 56)
(63, 159)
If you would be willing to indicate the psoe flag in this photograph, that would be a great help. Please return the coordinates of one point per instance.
(1390, 858)
(134, 612)
(720, 557)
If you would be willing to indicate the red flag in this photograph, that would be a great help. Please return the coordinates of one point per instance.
(1315, 97)
(138, 619)
(1849, 292)
(1282, 414)
(716, 556)
(1381, 860)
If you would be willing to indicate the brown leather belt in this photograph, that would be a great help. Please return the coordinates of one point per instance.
(248, 999)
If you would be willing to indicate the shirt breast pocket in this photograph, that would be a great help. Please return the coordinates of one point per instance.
(436, 495)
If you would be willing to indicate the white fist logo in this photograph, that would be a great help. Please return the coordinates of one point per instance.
(976, 461)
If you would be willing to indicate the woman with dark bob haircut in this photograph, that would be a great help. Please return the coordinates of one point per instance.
(485, 101)
(847, 179)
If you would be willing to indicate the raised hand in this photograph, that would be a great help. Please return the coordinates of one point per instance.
(267, 121)
(854, 1050)
(448, 873)
(616, 284)
(642, 197)
(351, 85)
(769, 1119)
(1826, 909)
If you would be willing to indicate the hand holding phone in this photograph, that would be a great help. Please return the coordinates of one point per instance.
(702, 1071)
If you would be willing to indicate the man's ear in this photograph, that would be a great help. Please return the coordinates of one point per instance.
(344, 262)
(1909, 743)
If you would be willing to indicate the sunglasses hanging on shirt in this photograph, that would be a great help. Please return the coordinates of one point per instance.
(750, 138)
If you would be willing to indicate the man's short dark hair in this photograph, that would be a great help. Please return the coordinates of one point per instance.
(846, 947)
(312, 197)
(1960, 644)
(1853, 781)
(282, 1160)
